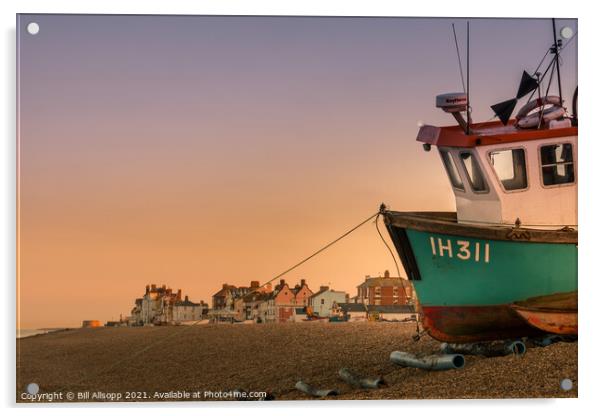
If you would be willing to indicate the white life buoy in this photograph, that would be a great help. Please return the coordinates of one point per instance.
(524, 120)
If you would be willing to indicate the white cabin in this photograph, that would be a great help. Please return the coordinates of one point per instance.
(501, 174)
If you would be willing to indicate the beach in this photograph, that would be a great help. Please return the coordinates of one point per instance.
(117, 362)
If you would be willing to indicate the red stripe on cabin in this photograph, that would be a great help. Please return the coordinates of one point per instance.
(484, 134)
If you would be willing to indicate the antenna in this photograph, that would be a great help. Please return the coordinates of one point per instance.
(557, 45)
(459, 60)
(468, 120)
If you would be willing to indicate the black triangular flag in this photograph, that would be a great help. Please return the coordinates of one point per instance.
(527, 84)
(504, 110)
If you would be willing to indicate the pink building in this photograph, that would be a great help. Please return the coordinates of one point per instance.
(283, 301)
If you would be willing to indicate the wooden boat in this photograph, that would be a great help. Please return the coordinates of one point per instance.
(556, 314)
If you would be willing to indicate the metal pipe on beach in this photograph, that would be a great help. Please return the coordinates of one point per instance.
(486, 349)
(312, 391)
(357, 380)
(432, 362)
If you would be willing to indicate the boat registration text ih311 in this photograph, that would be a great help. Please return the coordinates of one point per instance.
(462, 249)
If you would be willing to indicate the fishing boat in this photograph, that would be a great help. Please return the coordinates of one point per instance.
(556, 314)
(513, 236)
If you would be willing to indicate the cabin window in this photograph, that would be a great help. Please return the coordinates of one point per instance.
(452, 170)
(510, 167)
(557, 164)
(473, 171)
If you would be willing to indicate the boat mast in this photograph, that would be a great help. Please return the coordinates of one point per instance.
(556, 51)
(468, 118)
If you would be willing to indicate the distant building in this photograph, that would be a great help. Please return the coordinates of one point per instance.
(386, 290)
(226, 297)
(185, 310)
(323, 300)
(302, 293)
(116, 323)
(248, 307)
(282, 302)
(160, 305)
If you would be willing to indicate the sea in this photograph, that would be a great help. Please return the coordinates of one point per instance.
(24, 333)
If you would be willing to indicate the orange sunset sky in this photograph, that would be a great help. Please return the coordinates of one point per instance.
(198, 150)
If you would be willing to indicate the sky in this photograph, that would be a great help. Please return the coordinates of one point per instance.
(193, 151)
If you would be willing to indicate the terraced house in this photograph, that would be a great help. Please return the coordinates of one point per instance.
(386, 290)
(283, 302)
(162, 306)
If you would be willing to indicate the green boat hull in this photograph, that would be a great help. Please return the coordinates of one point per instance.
(512, 271)
(466, 283)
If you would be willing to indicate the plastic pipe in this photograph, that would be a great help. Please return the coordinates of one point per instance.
(312, 391)
(358, 381)
(433, 362)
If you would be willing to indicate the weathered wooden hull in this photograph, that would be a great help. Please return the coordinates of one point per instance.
(466, 324)
(556, 314)
(468, 276)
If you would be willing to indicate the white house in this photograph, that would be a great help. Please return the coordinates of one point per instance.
(185, 310)
(322, 301)
(160, 305)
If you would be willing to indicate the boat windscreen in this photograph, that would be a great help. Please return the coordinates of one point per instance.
(451, 169)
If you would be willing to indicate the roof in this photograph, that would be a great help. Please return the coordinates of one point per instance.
(493, 132)
(319, 292)
(223, 290)
(231, 288)
(186, 303)
(385, 282)
(392, 308)
(256, 297)
(352, 307)
(298, 288)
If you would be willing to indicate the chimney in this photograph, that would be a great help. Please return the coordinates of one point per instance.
(387, 274)
(147, 289)
(302, 282)
(163, 287)
(179, 296)
(225, 286)
(254, 284)
(186, 298)
(282, 282)
(153, 287)
(367, 277)
(322, 288)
